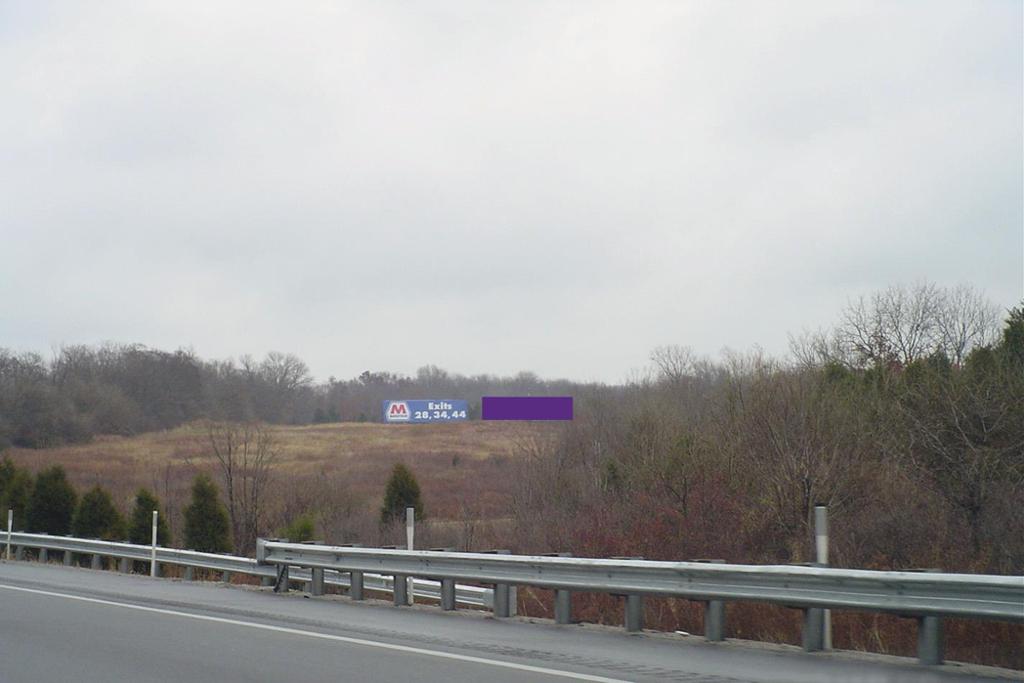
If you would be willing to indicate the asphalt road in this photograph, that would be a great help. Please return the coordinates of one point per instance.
(67, 624)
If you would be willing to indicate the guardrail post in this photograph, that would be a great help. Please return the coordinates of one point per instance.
(190, 573)
(280, 582)
(504, 594)
(355, 585)
(97, 562)
(317, 583)
(714, 620)
(19, 553)
(68, 558)
(355, 579)
(563, 597)
(930, 632)
(563, 606)
(315, 586)
(401, 590)
(634, 617)
(447, 586)
(813, 637)
(281, 586)
(814, 621)
(448, 594)
(821, 550)
(44, 554)
(634, 613)
(410, 535)
(126, 566)
(10, 528)
(714, 614)
(501, 600)
(930, 640)
(153, 569)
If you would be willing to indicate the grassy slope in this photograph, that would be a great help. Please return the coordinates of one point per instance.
(456, 464)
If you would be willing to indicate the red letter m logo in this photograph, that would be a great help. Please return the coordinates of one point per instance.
(398, 411)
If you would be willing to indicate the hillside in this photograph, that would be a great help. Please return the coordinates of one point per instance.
(459, 466)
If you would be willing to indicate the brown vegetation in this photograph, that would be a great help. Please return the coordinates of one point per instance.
(337, 471)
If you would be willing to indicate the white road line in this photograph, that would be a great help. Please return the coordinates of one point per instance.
(327, 636)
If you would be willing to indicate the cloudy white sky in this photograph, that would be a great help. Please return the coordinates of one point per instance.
(494, 187)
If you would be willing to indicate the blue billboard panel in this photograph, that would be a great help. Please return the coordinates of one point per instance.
(427, 410)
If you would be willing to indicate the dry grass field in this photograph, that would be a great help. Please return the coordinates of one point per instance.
(463, 469)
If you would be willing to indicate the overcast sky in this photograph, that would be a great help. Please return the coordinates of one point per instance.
(497, 186)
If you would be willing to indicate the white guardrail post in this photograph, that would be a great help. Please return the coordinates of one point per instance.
(10, 528)
(821, 550)
(410, 537)
(154, 570)
(815, 623)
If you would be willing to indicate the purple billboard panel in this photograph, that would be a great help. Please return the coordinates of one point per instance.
(527, 408)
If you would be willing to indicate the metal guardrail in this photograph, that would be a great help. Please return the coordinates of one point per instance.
(925, 596)
(961, 595)
(227, 564)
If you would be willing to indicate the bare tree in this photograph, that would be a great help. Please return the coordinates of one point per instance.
(903, 324)
(811, 349)
(861, 334)
(285, 371)
(895, 325)
(674, 362)
(245, 455)
(282, 378)
(965, 320)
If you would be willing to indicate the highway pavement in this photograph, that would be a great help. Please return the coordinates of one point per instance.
(68, 624)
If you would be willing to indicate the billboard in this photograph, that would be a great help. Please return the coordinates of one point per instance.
(527, 407)
(426, 410)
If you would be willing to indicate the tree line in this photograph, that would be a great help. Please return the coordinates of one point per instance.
(129, 389)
